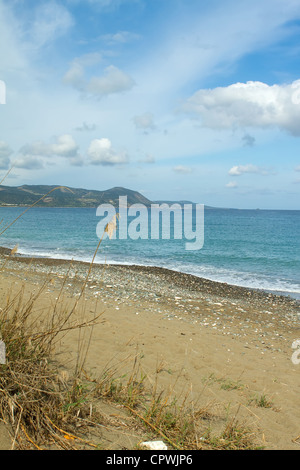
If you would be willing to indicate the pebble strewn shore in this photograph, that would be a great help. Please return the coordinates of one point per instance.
(233, 310)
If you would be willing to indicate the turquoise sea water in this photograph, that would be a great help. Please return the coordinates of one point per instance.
(251, 248)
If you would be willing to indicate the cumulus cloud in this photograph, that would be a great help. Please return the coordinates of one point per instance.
(101, 152)
(29, 162)
(113, 80)
(30, 155)
(65, 146)
(37, 148)
(241, 169)
(251, 104)
(5, 153)
(75, 75)
(182, 169)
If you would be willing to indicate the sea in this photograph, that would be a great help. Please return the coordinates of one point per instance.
(257, 249)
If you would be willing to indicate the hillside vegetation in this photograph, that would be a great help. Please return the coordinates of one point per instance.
(66, 197)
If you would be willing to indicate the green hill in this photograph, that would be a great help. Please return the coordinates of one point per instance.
(66, 197)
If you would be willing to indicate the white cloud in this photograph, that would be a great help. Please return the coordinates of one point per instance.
(251, 104)
(100, 152)
(37, 148)
(231, 184)
(241, 169)
(63, 146)
(297, 168)
(28, 162)
(75, 75)
(182, 169)
(112, 81)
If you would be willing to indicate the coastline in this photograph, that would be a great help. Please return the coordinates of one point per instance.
(203, 332)
(190, 281)
(165, 290)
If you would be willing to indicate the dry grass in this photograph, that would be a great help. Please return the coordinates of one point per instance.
(34, 394)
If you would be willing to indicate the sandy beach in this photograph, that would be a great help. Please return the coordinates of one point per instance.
(227, 345)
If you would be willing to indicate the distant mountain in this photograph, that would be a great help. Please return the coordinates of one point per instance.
(66, 197)
(27, 195)
(182, 203)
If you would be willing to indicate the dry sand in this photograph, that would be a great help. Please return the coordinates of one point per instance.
(226, 345)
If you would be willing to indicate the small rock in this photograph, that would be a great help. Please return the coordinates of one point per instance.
(154, 445)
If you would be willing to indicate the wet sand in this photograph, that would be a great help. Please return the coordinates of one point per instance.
(227, 345)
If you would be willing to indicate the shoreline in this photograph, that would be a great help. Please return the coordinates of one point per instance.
(191, 280)
(192, 299)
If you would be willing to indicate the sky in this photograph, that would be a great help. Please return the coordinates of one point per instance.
(195, 100)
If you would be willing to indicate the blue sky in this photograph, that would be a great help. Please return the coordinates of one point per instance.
(194, 100)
